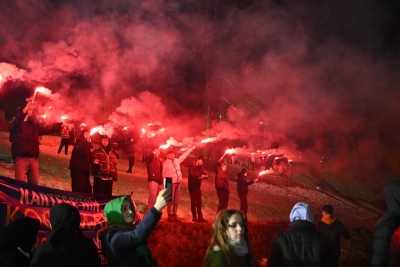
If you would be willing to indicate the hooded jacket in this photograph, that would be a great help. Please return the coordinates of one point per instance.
(66, 245)
(81, 156)
(385, 227)
(20, 233)
(300, 244)
(123, 244)
(172, 168)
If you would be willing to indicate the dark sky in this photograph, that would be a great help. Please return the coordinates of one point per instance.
(319, 77)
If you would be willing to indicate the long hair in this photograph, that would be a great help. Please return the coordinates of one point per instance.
(220, 238)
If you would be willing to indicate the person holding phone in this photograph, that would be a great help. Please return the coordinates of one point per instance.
(196, 174)
(172, 168)
(124, 241)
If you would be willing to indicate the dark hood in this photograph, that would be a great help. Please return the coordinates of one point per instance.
(22, 233)
(392, 197)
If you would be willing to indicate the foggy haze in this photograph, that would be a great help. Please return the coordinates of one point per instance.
(317, 78)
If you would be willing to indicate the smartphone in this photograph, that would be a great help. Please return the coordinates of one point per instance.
(168, 184)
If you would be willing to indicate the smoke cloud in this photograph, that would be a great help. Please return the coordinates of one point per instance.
(320, 79)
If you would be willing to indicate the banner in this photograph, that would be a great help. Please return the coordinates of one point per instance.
(19, 199)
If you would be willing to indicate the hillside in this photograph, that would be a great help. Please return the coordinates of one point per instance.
(271, 199)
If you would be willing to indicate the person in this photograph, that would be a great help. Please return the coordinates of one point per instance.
(19, 236)
(300, 244)
(196, 174)
(230, 243)
(222, 186)
(385, 247)
(79, 163)
(24, 134)
(172, 168)
(332, 228)
(106, 157)
(130, 151)
(65, 138)
(242, 189)
(124, 243)
(154, 176)
(66, 245)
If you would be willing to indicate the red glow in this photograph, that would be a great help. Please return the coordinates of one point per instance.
(263, 172)
(229, 151)
(43, 116)
(64, 117)
(143, 130)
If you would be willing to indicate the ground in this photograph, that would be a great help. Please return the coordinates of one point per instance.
(269, 200)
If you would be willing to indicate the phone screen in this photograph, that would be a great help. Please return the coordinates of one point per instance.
(168, 183)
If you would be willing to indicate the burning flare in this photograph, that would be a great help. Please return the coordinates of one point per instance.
(165, 146)
(94, 130)
(207, 140)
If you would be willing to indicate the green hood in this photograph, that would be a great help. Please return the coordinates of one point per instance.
(113, 210)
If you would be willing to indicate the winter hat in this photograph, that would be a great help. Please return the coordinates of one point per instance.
(301, 211)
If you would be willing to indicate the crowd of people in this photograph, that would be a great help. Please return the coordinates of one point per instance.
(124, 243)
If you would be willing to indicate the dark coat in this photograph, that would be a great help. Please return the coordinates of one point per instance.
(72, 251)
(300, 245)
(81, 157)
(154, 169)
(119, 245)
(242, 184)
(333, 231)
(66, 245)
(222, 180)
(195, 172)
(24, 136)
(384, 229)
(20, 233)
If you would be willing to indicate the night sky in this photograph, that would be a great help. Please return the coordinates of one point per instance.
(320, 78)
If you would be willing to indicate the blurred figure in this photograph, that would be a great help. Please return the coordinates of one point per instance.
(124, 243)
(79, 163)
(130, 151)
(19, 236)
(385, 249)
(106, 157)
(196, 174)
(230, 244)
(172, 168)
(24, 135)
(154, 176)
(66, 245)
(222, 186)
(301, 244)
(333, 229)
(65, 138)
(243, 189)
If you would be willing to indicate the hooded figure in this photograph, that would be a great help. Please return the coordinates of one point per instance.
(385, 249)
(19, 236)
(66, 245)
(123, 242)
(300, 244)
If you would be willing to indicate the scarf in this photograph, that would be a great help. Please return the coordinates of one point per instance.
(240, 248)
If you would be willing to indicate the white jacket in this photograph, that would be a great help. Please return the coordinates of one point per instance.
(172, 168)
